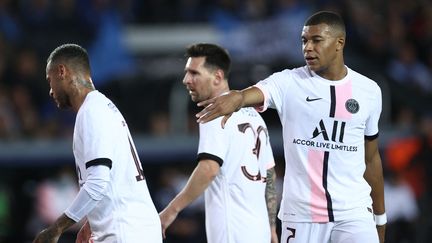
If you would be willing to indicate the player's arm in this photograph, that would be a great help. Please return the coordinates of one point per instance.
(87, 198)
(53, 233)
(374, 176)
(203, 174)
(84, 233)
(226, 104)
(271, 199)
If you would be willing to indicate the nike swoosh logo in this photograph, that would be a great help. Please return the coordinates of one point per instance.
(313, 99)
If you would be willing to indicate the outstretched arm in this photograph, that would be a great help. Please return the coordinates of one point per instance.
(271, 199)
(201, 177)
(53, 233)
(226, 104)
(374, 176)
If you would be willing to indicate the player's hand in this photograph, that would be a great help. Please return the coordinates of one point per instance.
(84, 235)
(167, 216)
(381, 233)
(49, 235)
(274, 236)
(223, 105)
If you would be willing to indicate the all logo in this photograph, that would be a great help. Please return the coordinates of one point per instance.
(337, 131)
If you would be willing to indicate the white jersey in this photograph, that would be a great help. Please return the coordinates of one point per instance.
(235, 205)
(126, 213)
(324, 127)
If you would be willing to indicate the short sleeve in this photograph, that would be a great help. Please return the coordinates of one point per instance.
(373, 119)
(213, 140)
(266, 151)
(273, 88)
(98, 134)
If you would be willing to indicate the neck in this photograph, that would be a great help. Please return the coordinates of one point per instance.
(334, 73)
(220, 91)
(80, 96)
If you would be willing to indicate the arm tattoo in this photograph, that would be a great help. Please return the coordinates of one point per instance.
(64, 222)
(52, 233)
(271, 196)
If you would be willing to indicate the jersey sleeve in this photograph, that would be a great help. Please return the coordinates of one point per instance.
(213, 141)
(90, 194)
(371, 130)
(98, 134)
(272, 88)
(267, 152)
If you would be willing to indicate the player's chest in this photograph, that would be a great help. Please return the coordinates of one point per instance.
(315, 102)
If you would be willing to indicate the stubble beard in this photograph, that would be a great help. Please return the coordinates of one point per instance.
(63, 101)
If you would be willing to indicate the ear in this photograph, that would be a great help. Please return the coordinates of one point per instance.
(61, 69)
(340, 43)
(219, 76)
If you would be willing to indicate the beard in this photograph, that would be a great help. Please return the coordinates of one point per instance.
(195, 99)
(63, 101)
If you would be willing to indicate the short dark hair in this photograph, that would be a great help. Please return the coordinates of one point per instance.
(332, 19)
(72, 54)
(215, 56)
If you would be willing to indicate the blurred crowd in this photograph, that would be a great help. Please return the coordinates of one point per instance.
(389, 41)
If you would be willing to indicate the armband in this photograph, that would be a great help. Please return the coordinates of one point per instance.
(81, 206)
(380, 219)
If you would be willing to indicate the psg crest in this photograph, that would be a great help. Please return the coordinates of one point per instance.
(352, 106)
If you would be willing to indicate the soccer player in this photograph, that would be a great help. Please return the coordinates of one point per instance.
(113, 195)
(235, 167)
(333, 182)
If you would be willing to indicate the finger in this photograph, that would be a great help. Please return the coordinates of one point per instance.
(206, 102)
(224, 120)
(163, 233)
(211, 115)
(205, 110)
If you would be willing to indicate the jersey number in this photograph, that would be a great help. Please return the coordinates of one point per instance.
(140, 175)
(292, 235)
(256, 150)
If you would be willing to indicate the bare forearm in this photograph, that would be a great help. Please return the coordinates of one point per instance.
(271, 196)
(251, 97)
(53, 233)
(224, 105)
(186, 196)
(63, 223)
(198, 182)
(374, 177)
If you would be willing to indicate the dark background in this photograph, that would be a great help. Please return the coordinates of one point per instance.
(136, 50)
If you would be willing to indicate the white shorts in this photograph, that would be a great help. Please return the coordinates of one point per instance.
(360, 230)
(148, 234)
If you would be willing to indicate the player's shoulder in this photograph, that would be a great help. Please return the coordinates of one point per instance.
(363, 79)
(215, 124)
(248, 115)
(244, 115)
(288, 76)
(301, 72)
(97, 105)
(293, 72)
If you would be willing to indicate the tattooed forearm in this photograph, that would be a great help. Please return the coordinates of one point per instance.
(52, 233)
(63, 222)
(271, 196)
(48, 235)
